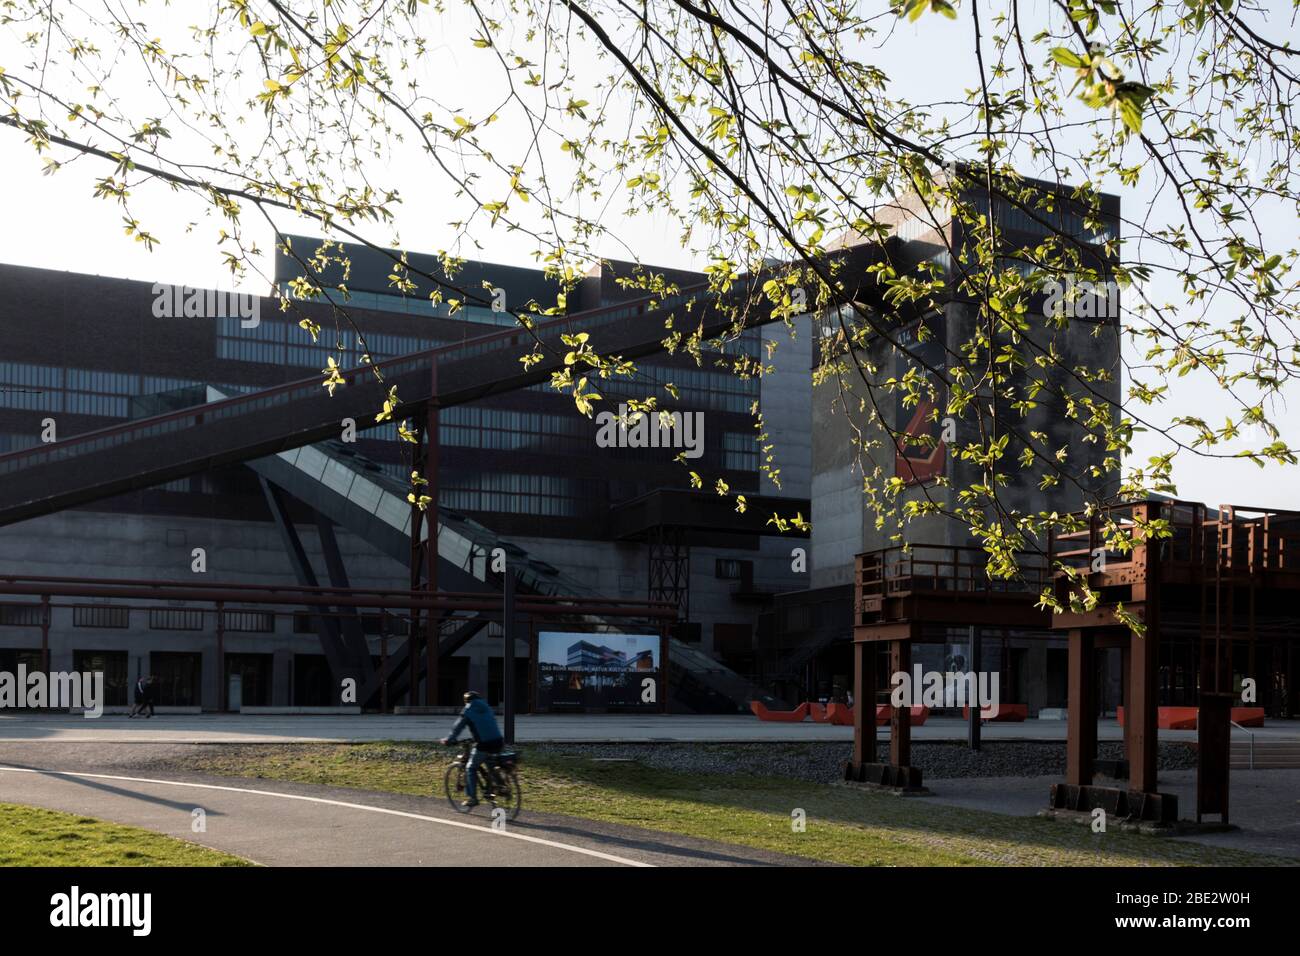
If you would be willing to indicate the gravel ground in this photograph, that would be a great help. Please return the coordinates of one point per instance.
(824, 762)
(816, 762)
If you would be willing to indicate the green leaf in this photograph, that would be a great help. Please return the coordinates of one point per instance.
(1067, 57)
(1130, 99)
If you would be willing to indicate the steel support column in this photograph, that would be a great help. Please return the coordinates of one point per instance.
(1144, 670)
(222, 704)
(424, 548)
(900, 721)
(975, 707)
(349, 621)
(1081, 727)
(433, 438)
(670, 568)
(1126, 693)
(864, 703)
(327, 626)
(383, 663)
(508, 655)
(45, 635)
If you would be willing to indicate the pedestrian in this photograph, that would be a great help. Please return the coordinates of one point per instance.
(150, 693)
(141, 692)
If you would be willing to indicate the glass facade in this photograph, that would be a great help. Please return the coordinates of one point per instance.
(284, 343)
(1064, 218)
(81, 391)
(524, 461)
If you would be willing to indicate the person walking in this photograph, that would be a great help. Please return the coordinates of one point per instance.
(141, 692)
(150, 693)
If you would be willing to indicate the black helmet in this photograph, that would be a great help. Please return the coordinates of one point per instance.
(472, 695)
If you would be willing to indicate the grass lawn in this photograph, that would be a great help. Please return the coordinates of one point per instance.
(843, 824)
(31, 836)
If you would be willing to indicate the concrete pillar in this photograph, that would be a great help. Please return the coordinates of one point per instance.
(478, 669)
(209, 679)
(281, 667)
(1035, 676)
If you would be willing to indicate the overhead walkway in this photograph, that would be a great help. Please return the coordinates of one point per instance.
(161, 448)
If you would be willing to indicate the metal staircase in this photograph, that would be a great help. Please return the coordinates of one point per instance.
(354, 493)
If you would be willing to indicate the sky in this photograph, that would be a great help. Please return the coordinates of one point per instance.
(53, 222)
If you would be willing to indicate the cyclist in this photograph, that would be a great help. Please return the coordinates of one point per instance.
(482, 724)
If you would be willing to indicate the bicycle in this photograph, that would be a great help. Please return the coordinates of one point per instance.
(498, 782)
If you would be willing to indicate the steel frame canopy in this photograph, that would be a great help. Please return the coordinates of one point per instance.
(1223, 571)
(901, 591)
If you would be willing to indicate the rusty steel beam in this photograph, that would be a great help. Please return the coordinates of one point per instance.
(330, 597)
(864, 704)
(1144, 667)
(900, 720)
(432, 621)
(227, 585)
(1081, 711)
(875, 633)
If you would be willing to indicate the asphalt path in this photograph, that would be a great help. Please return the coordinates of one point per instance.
(287, 824)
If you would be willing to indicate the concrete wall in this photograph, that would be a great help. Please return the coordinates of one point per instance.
(844, 521)
(88, 545)
(785, 400)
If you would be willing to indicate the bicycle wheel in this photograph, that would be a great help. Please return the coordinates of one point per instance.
(453, 782)
(504, 792)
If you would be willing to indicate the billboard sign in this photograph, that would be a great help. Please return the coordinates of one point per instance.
(579, 671)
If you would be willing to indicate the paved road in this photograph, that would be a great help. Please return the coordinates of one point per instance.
(530, 728)
(1265, 804)
(282, 824)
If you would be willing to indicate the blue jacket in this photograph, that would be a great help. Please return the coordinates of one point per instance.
(482, 724)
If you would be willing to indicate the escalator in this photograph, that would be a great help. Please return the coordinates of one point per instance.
(355, 493)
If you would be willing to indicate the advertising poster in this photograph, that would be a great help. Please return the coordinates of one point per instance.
(579, 672)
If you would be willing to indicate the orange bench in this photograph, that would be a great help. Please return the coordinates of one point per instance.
(885, 711)
(1248, 716)
(841, 715)
(783, 716)
(1009, 713)
(1168, 718)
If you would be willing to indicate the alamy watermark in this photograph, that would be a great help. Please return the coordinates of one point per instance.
(947, 689)
(74, 909)
(652, 430)
(59, 689)
(186, 302)
(1074, 298)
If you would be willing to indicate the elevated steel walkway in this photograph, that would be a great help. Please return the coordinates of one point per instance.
(161, 448)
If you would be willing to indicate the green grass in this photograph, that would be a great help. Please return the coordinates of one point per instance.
(844, 824)
(31, 836)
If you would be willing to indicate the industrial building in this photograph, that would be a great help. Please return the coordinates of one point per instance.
(141, 444)
(518, 470)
